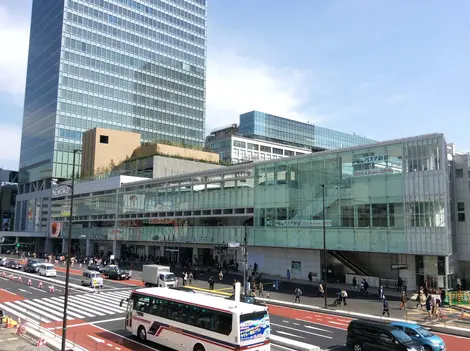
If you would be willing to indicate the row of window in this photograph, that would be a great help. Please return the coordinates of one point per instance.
(137, 39)
(114, 120)
(131, 95)
(136, 17)
(186, 4)
(127, 60)
(135, 99)
(149, 10)
(461, 211)
(200, 317)
(130, 74)
(133, 49)
(267, 149)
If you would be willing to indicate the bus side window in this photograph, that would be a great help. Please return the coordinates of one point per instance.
(224, 323)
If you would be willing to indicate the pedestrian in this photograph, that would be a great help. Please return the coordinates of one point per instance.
(297, 293)
(428, 307)
(221, 276)
(321, 290)
(381, 293)
(386, 308)
(344, 296)
(260, 290)
(190, 278)
(354, 283)
(403, 301)
(211, 283)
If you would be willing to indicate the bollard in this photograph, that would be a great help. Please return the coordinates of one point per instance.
(40, 285)
(4, 275)
(19, 279)
(29, 282)
(51, 289)
(11, 276)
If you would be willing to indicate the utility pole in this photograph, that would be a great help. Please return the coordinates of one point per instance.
(245, 260)
(324, 250)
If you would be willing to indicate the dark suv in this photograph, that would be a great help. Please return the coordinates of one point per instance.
(32, 266)
(119, 274)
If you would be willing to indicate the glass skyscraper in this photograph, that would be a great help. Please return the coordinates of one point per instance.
(264, 126)
(135, 65)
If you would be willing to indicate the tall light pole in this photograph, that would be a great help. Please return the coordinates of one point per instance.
(245, 259)
(324, 248)
(69, 256)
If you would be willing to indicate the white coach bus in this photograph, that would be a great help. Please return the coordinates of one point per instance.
(196, 322)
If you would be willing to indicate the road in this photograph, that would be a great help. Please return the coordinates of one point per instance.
(100, 317)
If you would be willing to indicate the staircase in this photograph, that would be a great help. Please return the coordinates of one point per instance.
(315, 208)
(353, 263)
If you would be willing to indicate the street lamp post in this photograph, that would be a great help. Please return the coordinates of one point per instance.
(68, 258)
(324, 248)
(245, 259)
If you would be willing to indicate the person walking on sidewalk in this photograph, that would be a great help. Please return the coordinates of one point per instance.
(260, 290)
(321, 290)
(211, 283)
(297, 293)
(381, 293)
(403, 301)
(221, 277)
(386, 308)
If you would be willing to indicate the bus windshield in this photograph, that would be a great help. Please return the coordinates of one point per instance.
(254, 326)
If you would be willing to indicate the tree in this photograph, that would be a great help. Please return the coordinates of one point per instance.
(112, 165)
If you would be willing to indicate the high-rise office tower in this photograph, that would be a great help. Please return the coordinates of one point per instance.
(135, 65)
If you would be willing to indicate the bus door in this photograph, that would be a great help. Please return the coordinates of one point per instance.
(130, 305)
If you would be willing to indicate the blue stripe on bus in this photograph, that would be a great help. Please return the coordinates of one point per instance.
(158, 327)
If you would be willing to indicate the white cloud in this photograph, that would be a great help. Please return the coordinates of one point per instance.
(10, 140)
(237, 84)
(14, 41)
(394, 99)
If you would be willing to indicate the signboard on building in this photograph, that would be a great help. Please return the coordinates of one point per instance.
(61, 191)
(370, 159)
(133, 202)
(56, 228)
(374, 171)
(302, 223)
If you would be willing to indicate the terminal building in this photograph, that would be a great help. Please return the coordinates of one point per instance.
(261, 136)
(389, 209)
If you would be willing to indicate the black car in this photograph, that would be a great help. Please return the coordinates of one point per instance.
(248, 299)
(119, 274)
(32, 266)
(366, 335)
(182, 288)
(95, 267)
(13, 264)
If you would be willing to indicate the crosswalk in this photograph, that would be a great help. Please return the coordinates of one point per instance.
(82, 306)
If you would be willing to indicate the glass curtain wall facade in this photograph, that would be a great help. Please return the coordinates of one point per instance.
(387, 198)
(260, 125)
(128, 65)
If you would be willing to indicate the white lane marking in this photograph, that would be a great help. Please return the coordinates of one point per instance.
(319, 329)
(76, 310)
(289, 334)
(281, 347)
(322, 324)
(89, 306)
(24, 314)
(338, 323)
(32, 307)
(286, 321)
(124, 337)
(32, 287)
(55, 308)
(301, 331)
(98, 304)
(295, 323)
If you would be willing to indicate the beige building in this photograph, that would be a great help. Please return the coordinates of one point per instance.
(101, 147)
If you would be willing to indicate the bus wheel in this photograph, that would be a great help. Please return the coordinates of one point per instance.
(142, 334)
(199, 347)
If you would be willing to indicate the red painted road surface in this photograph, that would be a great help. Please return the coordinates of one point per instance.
(125, 282)
(94, 338)
(6, 296)
(453, 343)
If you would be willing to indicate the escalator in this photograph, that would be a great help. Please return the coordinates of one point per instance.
(354, 264)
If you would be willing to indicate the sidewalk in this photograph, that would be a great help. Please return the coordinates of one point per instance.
(356, 303)
(11, 342)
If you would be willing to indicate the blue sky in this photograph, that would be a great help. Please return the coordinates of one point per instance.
(383, 69)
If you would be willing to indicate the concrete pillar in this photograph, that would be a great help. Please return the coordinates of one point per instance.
(88, 248)
(146, 250)
(195, 255)
(117, 249)
(162, 251)
(48, 245)
(64, 245)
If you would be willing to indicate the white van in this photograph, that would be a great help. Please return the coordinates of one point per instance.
(89, 277)
(47, 270)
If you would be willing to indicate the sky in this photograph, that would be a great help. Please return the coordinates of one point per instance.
(382, 69)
